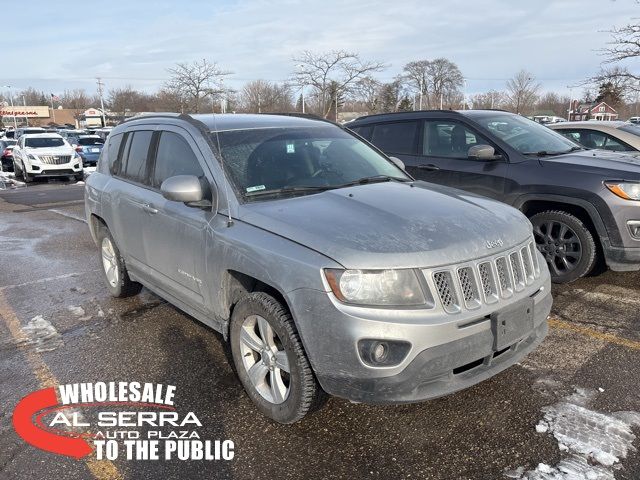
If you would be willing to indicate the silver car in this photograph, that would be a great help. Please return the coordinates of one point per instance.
(325, 265)
(614, 136)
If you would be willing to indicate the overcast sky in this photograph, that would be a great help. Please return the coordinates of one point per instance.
(60, 45)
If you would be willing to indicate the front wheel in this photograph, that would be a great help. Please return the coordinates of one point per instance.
(566, 244)
(270, 360)
(26, 176)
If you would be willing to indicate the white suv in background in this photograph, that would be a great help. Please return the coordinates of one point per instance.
(45, 155)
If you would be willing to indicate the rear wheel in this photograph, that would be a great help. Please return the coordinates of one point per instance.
(113, 267)
(566, 244)
(270, 360)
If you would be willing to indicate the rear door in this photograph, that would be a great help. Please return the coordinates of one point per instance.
(129, 196)
(444, 159)
(175, 233)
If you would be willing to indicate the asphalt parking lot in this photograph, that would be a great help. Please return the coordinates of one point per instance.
(531, 421)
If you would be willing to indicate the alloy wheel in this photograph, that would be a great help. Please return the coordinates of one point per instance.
(110, 262)
(265, 359)
(560, 246)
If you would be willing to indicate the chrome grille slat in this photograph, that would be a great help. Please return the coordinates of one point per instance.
(54, 159)
(505, 277)
(446, 291)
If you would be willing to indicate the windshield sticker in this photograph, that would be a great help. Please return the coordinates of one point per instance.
(255, 188)
(291, 148)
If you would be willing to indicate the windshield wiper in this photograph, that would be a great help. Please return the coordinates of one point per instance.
(544, 153)
(374, 179)
(285, 190)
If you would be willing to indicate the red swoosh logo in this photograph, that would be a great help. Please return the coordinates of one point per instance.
(50, 442)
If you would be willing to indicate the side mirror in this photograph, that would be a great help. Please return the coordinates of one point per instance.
(183, 188)
(397, 162)
(483, 152)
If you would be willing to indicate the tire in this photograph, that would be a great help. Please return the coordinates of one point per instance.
(566, 243)
(79, 177)
(118, 283)
(25, 175)
(254, 316)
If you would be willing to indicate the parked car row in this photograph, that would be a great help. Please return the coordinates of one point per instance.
(613, 136)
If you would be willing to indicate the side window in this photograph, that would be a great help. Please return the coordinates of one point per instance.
(399, 137)
(174, 157)
(570, 134)
(445, 138)
(112, 151)
(364, 131)
(135, 166)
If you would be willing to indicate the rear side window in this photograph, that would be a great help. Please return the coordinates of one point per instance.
(175, 157)
(400, 137)
(135, 164)
(112, 151)
(364, 131)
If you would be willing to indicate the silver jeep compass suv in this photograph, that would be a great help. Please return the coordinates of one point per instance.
(325, 265)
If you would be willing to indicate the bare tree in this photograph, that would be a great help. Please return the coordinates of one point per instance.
(446, 80)
(552, 102)
(262, 96)
(31, 96)
(121, 100)
(331, 74)
(488, 100)
(438, 82)
(522, 91)
(77, 99)
(625, 43)
(417, 73)
(194, 82)
(367, 90)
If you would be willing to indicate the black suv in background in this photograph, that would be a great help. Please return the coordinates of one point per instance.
(584, 204)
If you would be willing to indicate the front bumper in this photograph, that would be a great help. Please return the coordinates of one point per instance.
(50, 170)
(448, 352)
(621, 259)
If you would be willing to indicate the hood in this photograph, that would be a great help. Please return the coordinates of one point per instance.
(600, 160)
(64, 150)
(392, 225)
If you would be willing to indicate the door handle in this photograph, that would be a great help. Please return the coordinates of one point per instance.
(149, 209)
(431, 167)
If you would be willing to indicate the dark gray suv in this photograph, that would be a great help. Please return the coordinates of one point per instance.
(584, 204)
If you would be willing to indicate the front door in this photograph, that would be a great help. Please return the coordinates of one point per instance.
(175, 235)
(443, 158)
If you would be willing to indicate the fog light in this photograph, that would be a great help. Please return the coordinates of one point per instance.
(634, 228)
(77, 165)
(383, 353)
(379, 352)
(35, 167)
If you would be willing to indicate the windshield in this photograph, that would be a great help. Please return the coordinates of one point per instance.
(294, 159)
(526, 136)
(90, 141)
(43, 142)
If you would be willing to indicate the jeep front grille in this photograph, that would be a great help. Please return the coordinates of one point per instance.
(486, 281)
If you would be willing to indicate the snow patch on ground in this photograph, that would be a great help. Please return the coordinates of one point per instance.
(40, 333)
(79, 311)
(8, 180)
(595, 441)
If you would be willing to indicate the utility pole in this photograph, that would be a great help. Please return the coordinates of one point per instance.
(570, 104)
(24, 103)
(13, 110)
(422, 88)
(100, 85)
(441, 100)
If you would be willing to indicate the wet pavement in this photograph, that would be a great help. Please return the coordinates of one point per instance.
(50, 272)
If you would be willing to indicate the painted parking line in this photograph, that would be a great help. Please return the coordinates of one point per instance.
(555, 322)
(100, 469)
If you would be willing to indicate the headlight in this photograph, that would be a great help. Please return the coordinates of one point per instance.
(626, 190)
(32, 157)
(376, 287)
